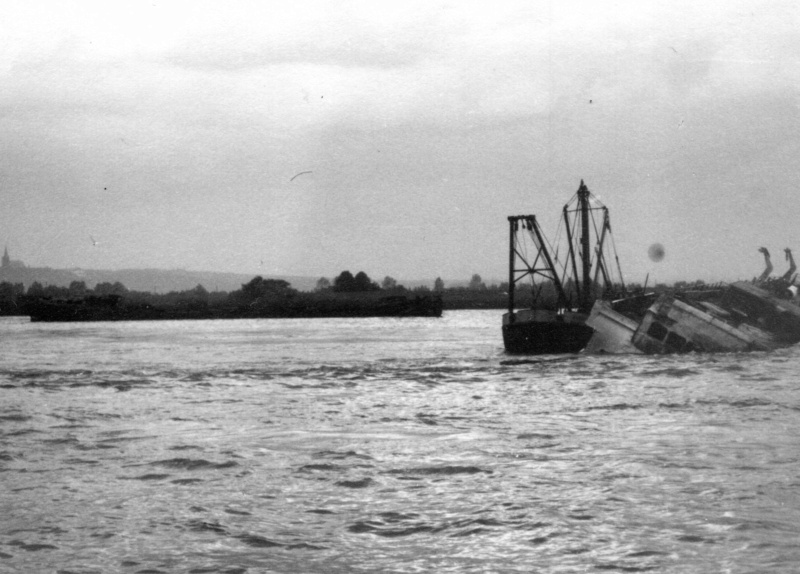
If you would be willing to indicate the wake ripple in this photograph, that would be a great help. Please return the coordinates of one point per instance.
(248, 538)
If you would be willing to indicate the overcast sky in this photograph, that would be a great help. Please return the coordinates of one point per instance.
(169, 133)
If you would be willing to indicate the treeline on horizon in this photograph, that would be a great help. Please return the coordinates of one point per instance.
(261, 294)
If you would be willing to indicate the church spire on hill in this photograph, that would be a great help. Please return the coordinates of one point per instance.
(6, 259)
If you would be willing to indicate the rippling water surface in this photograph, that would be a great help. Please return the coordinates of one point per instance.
(387, 445)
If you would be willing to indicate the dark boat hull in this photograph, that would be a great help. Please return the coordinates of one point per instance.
(549, 333)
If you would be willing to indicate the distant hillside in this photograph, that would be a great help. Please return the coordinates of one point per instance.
(165, 280)
(149, 280)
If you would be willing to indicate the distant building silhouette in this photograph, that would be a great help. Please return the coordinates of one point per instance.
(7, 263)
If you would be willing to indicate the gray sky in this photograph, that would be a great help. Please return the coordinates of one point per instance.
(169, 132)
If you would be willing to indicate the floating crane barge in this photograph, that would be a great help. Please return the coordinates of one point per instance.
(559, 325)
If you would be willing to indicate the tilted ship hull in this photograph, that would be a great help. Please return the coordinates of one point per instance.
(739, 317)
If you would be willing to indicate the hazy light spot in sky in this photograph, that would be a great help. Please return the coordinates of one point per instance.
(656, 252)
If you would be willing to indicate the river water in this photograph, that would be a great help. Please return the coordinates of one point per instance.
(387, 445)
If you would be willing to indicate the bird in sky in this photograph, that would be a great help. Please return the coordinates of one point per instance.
(299, 174)
(94, 243)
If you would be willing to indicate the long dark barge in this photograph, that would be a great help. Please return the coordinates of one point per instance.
(116, 308)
